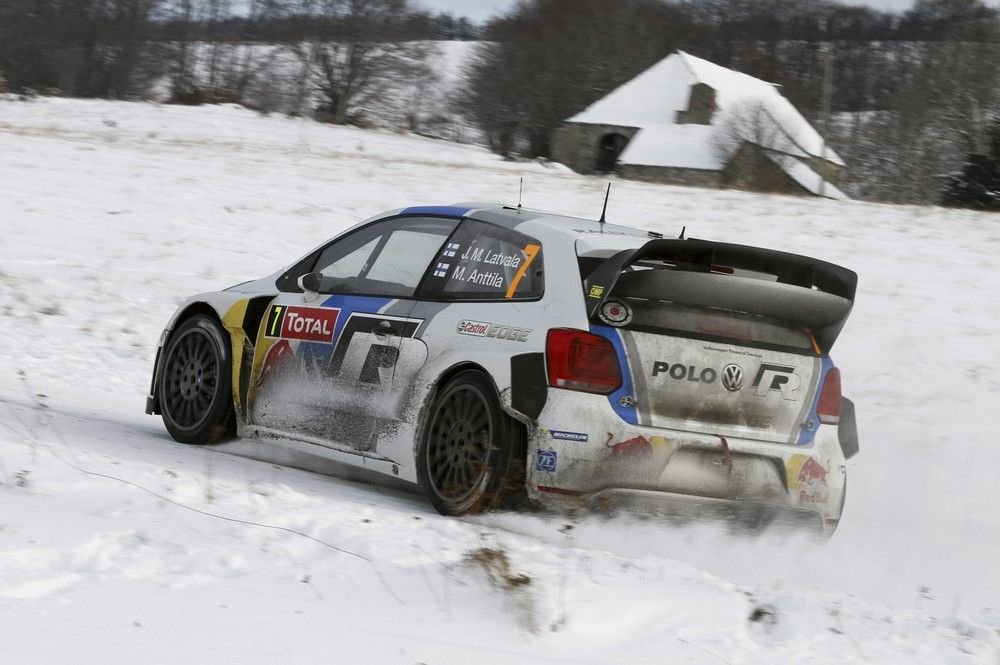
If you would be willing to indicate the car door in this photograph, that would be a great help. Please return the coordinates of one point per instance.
(326, 356)
(471, 308)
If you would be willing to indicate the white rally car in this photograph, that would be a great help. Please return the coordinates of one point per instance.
(496, 354)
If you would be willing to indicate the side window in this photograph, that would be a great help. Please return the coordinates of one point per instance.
(384, 259)
(405, 255)
(336, 263)
(486, 262)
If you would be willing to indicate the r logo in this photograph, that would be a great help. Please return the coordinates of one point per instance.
(779, 378)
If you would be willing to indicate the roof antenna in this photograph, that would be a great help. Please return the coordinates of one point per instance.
(683, 229)
(520, 193)
(604, 211)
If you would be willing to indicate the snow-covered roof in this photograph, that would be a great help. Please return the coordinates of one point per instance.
(678, 146)
(651, 101)
(807, 178)
(651, 98)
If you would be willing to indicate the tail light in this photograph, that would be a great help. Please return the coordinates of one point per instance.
(579, 360)
(829, 400)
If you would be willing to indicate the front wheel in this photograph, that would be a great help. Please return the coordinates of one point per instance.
(471, 457)
(196, 383)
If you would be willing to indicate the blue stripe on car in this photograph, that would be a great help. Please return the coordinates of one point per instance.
(349, 305)
(626, 413)
(438, 211)
(319, 353)
(807, 434)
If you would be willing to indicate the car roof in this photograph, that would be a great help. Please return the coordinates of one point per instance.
(528, 220)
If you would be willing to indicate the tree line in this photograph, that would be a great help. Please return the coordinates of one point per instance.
(915, 94)
(116, 48)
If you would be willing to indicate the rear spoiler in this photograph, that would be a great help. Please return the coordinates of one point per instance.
(807, 291)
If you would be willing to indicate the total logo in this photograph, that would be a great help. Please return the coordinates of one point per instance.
(309, 324)
(495, 330)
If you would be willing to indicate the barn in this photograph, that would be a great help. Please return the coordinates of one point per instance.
(687, 121)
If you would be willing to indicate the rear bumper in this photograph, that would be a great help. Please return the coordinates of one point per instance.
(686, 508)
(603, 462)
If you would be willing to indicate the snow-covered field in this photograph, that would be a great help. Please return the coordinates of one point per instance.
(118, 545)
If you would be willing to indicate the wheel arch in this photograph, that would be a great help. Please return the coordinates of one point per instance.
(194, 309)
(218, 420)
(442, 379)
(456, 369)
(512, 490)
(198, 307)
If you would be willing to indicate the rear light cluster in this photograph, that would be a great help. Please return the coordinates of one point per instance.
(579, 360)
(828, 408)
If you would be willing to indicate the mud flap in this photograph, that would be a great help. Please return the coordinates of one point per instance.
(529, 383)
(847, 431)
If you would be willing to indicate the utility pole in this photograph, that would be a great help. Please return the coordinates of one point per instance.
(827, 55)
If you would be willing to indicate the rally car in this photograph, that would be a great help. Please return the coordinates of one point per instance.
(496, 356)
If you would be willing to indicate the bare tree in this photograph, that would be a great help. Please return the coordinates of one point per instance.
(90, 48)
(493, 100)
(209, 63)
(183, 87)
(357, 53)
(749, 121)
(549, 59)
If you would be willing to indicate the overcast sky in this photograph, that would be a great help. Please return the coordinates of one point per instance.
(480, 10)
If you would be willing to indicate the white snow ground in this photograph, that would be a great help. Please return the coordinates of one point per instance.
(118, 545)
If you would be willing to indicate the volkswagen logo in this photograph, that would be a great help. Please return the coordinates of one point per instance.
(732, 377)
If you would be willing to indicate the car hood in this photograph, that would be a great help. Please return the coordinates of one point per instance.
(256, 286)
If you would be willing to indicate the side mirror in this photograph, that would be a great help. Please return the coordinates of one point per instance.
(310, 282)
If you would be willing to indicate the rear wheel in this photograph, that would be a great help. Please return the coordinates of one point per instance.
(471, 456)
(196, 383)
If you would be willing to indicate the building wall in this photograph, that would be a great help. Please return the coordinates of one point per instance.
(576, 144)
(670, 176)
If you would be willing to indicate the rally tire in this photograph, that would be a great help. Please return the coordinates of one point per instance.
(195, 383)
(471, 455)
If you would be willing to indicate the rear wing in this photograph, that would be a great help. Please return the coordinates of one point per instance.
(805, 291)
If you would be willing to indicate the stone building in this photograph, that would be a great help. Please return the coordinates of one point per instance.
(687, 121)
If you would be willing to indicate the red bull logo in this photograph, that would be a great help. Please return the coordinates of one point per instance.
(812, 472)
(820, 496)
(637, 446)
(279, 358)
(654, 451)
(805, 471)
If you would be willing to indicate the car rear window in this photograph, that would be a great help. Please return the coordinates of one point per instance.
(739, 328)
